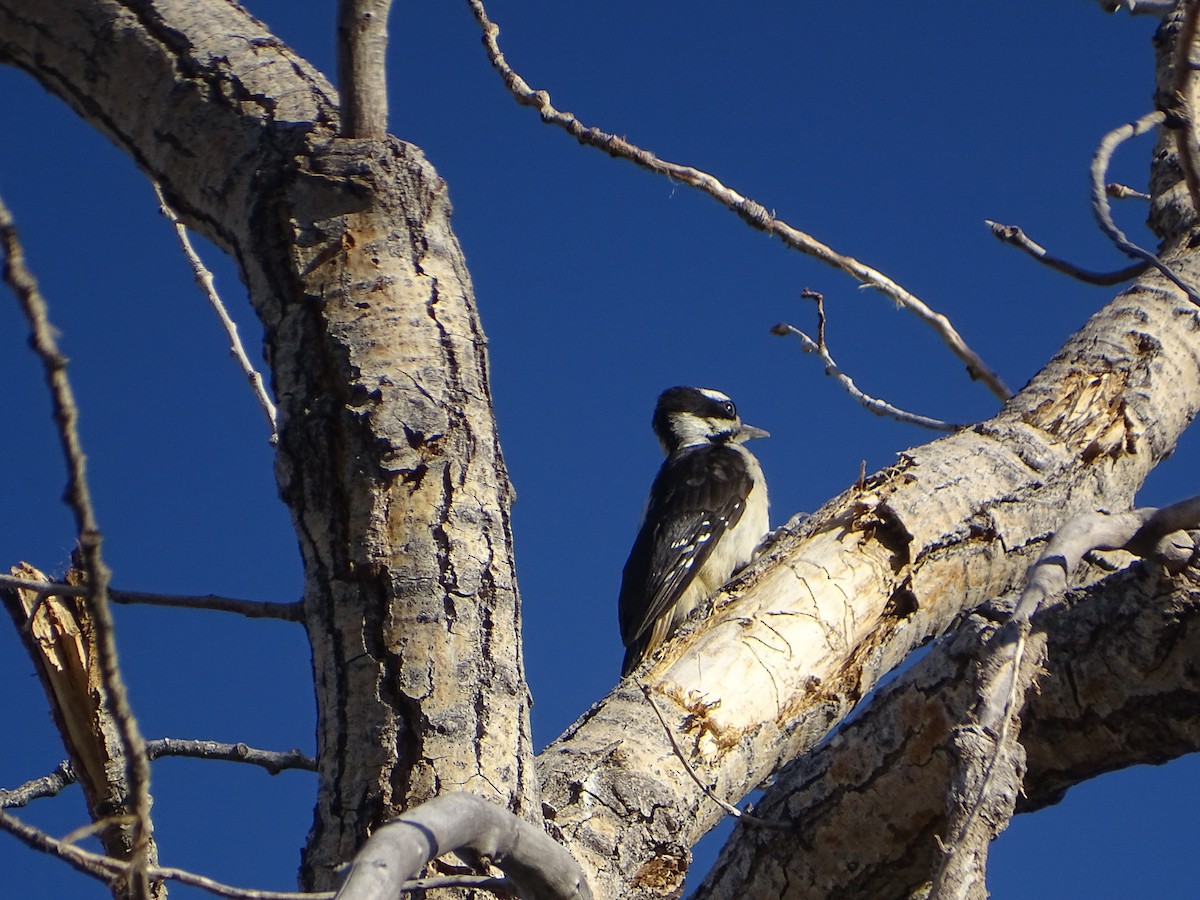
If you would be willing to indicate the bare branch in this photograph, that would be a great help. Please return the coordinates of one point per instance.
(110, 870)
(204, 278)
(66, 415)
(874, 404)
(1012, 234)
(252, 609)
(46, 786)
(750, 211)
(274, 761)
(990, 762)
(104, 868)
(1186, 132)
(361, 67)
(1100, 208)
(1105, 703)
(400, 849)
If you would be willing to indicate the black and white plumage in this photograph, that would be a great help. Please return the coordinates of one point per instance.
(706, 514)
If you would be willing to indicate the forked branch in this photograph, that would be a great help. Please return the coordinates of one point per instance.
(873, 404)
(750, 211)
(990, 760)
(1103, 214)
(538, 867)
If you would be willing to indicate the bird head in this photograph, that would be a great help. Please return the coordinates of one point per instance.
(688, 416)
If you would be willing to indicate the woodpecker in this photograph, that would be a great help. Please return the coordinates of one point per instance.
(706, 514)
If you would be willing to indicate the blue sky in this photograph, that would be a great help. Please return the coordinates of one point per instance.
(890, 135)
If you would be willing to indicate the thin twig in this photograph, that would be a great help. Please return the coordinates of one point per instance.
(818, 298)
(1103, 214)
(95, 865)
(1012, 234)
(47, 786)
(78, 496)
(274, 761)
(1187, 133)
(687, 767)
(752, 212)
(251, 609)
(874, 404)
(204, 278)
(108, 869)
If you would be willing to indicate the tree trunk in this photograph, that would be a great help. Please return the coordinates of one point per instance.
(388, 456)
(389, 461)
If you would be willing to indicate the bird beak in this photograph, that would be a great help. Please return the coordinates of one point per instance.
(746, 432)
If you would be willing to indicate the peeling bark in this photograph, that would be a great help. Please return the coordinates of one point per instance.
(59, 635)
(389, 462)
(792, 647)
(868, 806)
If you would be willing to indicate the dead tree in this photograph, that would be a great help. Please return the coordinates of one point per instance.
(389, 462)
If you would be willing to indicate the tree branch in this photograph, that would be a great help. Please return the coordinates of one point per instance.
(274, 761)
(989, 760)
(46, 786)
(753, 213)
(362, 67)
(204, 279)
(133, 787)
(251, 609)
(1100, 207)
(110, 870)
(1120, 688)
(399, 851)
(872, 404)
(1014, 236)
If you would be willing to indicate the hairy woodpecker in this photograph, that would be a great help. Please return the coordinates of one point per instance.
(706, 514)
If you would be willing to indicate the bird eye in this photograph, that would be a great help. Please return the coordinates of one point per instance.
(730, 409)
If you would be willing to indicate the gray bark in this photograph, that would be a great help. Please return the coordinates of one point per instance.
(875, 574)
(387, 455)
(536, 867)
(362, 49)
(868, 807)
(389, 462)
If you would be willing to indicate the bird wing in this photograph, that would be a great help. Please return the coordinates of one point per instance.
(683, 523)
